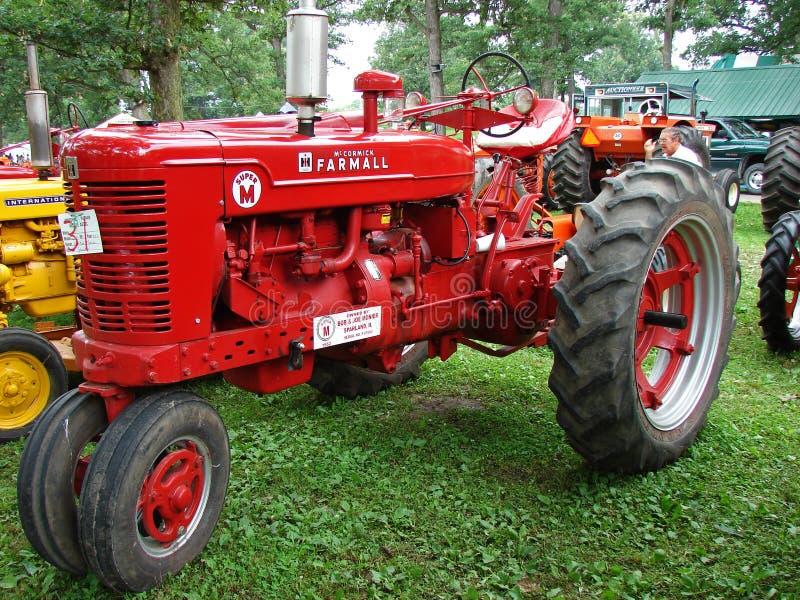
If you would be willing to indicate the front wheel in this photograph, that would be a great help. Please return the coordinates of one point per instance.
(32, 375)
(644, 319)
(154, 490)
(51, 473)
(780, 286)
(728, 180)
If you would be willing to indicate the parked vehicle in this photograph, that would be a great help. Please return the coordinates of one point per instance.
(735, 145)
(281, 257)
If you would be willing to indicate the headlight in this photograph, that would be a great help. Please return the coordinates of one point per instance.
(415, 100)
(525, 100)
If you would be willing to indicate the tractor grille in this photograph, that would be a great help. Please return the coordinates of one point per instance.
(126, 288)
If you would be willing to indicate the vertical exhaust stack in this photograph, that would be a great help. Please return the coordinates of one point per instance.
(38, 119)
(306, 62)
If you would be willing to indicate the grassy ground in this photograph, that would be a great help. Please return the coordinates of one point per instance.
(461, 485)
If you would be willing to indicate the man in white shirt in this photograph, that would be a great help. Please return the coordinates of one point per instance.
(670, 142)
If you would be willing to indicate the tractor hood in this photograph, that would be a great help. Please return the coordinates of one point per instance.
(340, 166)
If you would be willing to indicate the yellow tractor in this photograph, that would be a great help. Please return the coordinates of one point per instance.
(35, 275)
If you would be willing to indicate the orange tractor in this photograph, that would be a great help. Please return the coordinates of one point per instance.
(616, 121)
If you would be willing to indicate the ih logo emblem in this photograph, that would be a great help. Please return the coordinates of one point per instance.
(246, 189)
(304, 162)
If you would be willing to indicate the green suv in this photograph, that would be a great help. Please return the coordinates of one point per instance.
(735, 145)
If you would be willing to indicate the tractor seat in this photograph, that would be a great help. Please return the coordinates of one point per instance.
(551, 123)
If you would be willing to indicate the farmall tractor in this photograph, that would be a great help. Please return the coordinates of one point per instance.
(617, 119)
(780, 268)
(278, 257)
(35, 274)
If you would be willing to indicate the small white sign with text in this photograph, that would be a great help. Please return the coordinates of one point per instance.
(340, 328)
(80, 232)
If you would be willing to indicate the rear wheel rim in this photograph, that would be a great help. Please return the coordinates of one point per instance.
(755, 180)
(733, 195)
(791, 293)
(671, 363)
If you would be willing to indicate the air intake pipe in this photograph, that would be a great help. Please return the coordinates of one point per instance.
(306, 62)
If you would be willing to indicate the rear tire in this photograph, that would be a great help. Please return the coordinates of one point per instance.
(633, 395)
(548, 192)
(154, 490)
(336, 378)
(572, 165)
(780, 192)
(32, 376)
(780, 316)
(693, 139)
(728, 180)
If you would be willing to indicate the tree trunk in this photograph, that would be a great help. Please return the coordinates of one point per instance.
(433, 34)
(554, 11)
(669, 33)
(280, 63)
(163, 62)
(136, 103)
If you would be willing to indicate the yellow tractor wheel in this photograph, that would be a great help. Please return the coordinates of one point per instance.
(32, 375)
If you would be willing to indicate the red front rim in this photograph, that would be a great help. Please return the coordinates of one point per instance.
(172, 493)
(792, 284)
(668, 288)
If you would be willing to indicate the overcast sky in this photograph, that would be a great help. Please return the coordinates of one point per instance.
(355, 55)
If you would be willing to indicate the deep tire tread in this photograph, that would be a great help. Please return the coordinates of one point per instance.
(772, 284)
(47, 509)
(781, 190)
(593, 374)
(571, 172)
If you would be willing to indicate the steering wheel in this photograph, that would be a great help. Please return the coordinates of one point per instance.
(501, 75)
(651, 106)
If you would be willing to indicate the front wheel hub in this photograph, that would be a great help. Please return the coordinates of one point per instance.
(171, 494)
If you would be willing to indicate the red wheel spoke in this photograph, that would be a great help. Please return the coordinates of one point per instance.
(793, 283)
(669, 288)
(80, 474)
(673, 341)
(171, 494)
(663, 280)
(649, 394)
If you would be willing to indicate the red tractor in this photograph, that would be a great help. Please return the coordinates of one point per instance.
(279, 257)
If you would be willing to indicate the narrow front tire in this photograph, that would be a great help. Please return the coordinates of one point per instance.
(154, 490)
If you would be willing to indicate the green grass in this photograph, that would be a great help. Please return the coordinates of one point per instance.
(462, 485)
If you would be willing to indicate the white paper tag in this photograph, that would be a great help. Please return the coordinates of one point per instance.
(80, 232)
(340, 328)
